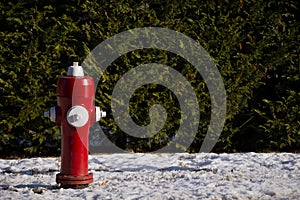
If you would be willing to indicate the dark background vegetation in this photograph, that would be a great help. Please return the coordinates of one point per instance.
(255, 45)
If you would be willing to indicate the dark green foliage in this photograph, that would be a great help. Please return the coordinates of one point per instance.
(255, 45)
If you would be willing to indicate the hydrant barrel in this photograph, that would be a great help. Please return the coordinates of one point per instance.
(71, 92)
(75, 113)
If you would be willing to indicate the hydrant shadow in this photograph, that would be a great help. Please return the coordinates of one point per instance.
(33, 171)
(36, 188)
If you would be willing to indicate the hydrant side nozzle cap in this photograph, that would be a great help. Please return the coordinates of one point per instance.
(51, 114)
(75, 70)
(99, 114)
(47, 114)
(103, 114)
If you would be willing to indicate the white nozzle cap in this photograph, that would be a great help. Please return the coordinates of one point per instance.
(99, 114)
(75, 70)
(51, 114)
(77, 116)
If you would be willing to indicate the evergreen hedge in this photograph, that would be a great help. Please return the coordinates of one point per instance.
(254, 44)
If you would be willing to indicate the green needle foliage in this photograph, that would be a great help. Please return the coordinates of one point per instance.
(254, 44)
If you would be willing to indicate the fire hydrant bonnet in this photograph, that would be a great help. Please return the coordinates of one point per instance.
(75, 70)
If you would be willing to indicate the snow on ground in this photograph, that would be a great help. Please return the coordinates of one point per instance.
(160, 176)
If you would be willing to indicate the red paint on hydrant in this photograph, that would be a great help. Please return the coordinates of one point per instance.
(75, 113)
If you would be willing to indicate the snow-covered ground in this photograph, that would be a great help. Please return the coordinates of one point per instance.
(160, 176)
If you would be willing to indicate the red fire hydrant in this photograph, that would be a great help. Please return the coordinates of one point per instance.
(75, 113)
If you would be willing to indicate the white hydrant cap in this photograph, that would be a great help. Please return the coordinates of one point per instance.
(77, 116)
(99, 114)
(75, 70)
(51, 114)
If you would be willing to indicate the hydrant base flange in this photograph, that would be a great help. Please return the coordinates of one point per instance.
(68, 181)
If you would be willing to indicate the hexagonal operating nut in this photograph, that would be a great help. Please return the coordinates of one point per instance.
(77, 116)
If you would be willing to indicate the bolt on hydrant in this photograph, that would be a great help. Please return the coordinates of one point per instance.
(75, 113)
